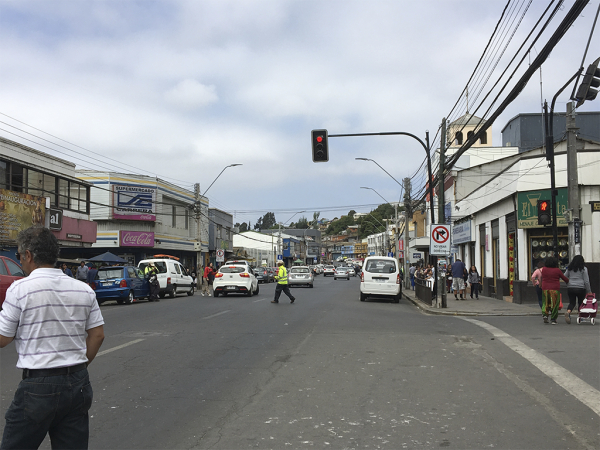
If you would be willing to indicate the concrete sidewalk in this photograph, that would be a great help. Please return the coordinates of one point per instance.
(485, 306)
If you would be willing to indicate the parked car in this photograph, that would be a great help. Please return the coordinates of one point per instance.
(9, 271)
(235, 279)
(173, 278)
(125, 284)
(328, 270)
(380, 277)
(300, 276)
(341, 272)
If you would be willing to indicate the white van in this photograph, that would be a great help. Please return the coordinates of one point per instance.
(173, 278)
(380, 277)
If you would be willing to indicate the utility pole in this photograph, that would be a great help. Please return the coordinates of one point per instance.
(573, 185)
(441, 277)
(198, 213)
(407, 217)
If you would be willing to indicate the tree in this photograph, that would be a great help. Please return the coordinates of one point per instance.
(315, 221)
(302, 223)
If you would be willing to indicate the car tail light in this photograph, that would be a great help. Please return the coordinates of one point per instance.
(123, 283)
(362, 277)
(169, 280)
(219, 275)
(398, 279)
(244, 275)
(93, 285)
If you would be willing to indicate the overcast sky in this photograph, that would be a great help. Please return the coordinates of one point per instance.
(181, 89)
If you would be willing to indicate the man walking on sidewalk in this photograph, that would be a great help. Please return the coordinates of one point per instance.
(282, 284)
(458, 281)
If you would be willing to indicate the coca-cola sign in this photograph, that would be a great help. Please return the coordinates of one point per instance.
(136, 239)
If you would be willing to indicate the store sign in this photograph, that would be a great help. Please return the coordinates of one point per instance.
(134, 203)
(136, 238)
(527, 207)
(18, 212)
(55, 219)
(75, 236)
(595, 206)
(461, 233)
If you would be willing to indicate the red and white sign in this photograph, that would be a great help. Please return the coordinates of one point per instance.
(220, 255)
(439, 242)
(400, 245)
(136, 239)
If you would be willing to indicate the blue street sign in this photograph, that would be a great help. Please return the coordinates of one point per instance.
(391, 254)
(280, 257)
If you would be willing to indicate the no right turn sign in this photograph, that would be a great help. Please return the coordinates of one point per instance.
(439, 241)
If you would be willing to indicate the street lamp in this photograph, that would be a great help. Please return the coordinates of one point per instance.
(198, 206)
(395, 207)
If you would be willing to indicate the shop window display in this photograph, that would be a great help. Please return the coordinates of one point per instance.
(541, 247)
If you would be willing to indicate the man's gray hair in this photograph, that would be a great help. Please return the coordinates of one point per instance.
(42, 244)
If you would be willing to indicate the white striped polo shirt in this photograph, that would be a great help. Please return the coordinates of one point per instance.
(48, 313)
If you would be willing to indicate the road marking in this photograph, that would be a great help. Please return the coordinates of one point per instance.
(215, 315)
(119, 347)
(574, 385)
(259, 300)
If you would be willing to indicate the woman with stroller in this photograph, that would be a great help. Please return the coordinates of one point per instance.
(578, 286)
(474, 282)
(551, 276)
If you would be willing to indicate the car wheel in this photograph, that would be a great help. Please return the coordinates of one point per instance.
(215, 294)
(363, 297)
(311, 286)
(191, 291)
(396, 298)
(172, 293)
(162, 294)
(250, 292)
(257, 290)
(130, 298)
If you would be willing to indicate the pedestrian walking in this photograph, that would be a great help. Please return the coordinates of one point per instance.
(458, 281)
(66, 270)
(282, 284)
(448, 279)
(578, 286)
(536, 279)
(411, 273)
(474, 282)
(206, 281)
(82, 272)
(57, 327)
(551, 276)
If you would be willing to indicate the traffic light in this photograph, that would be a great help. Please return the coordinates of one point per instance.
(544, 211)
(591, 80)
(320, 148)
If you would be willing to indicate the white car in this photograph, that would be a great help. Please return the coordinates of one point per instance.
(300, 275)
(235, 279)
(172, 277)
(380, 277)
(328, 270)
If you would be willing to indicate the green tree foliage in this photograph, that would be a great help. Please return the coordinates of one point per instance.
(265, 222)
(242, 226)
(302, 223)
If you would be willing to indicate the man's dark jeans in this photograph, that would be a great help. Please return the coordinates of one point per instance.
(286, 291)
(56, 405)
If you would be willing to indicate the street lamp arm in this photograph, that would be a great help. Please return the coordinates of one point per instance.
(362, 187)
(372, 160)
(230, 165)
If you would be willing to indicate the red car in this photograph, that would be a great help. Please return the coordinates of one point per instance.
(9, 272)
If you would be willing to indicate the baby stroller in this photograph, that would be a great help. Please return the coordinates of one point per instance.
(588, 310)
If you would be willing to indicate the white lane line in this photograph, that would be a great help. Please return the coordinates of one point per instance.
(574, 385)
(118, 347)
(259, 300)
(215, 315)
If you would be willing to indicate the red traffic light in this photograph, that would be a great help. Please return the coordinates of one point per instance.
(319, 138)
(543, 206)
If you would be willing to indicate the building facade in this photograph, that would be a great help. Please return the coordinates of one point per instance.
(220, 234)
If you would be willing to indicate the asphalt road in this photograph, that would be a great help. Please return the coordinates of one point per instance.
(330, 371)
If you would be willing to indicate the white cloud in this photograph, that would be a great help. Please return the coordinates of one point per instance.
(190, 94)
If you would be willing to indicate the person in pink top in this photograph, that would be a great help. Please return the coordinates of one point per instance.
(551, 276)
(536, 278)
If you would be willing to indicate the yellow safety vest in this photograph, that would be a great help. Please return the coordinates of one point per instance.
(282, 276)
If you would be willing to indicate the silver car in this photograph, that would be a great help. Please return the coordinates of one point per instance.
(341, 272)
(300, 275)
(328, 270)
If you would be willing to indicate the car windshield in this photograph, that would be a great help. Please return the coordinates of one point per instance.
(232, 269)
(299, 270)
(380, 266)
(329, 267)
(161, 266)
(110, 274)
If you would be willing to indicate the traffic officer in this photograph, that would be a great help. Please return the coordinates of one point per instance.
(282, 284)
(150, 272)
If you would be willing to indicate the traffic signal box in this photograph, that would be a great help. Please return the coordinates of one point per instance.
(588, 90)
(544, 210)
(320, 148)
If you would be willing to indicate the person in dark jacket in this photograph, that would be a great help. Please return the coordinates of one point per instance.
(91, 276)
(474, 281)
(66, 270)
(579, 284)
(551, 276)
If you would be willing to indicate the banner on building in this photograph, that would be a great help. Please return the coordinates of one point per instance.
(134, 202)
(18, 212)
(136, 238)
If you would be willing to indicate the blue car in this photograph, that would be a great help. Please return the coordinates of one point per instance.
(125, 284)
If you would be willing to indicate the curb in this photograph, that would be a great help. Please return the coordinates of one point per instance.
(440, 312)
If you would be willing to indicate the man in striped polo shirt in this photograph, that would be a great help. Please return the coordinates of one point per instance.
(58, 329)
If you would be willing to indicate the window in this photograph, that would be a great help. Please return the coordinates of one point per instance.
(83, 197)
(470, 134)
(14, 269)
(187, 219)
(458, 138)
(174, 211)
(16, 177)
(49, 188)
(178, 269)
(132, 273)
(2, 268)
(74, 196)
(35, 183)
(483, 139)
(63, 193)
(3, 175)
(219, 231)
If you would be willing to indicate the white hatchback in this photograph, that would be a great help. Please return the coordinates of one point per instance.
(235, 279)
(380, 277)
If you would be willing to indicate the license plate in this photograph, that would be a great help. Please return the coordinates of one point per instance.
(232, 288)
(380, 280)
(107, 283)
